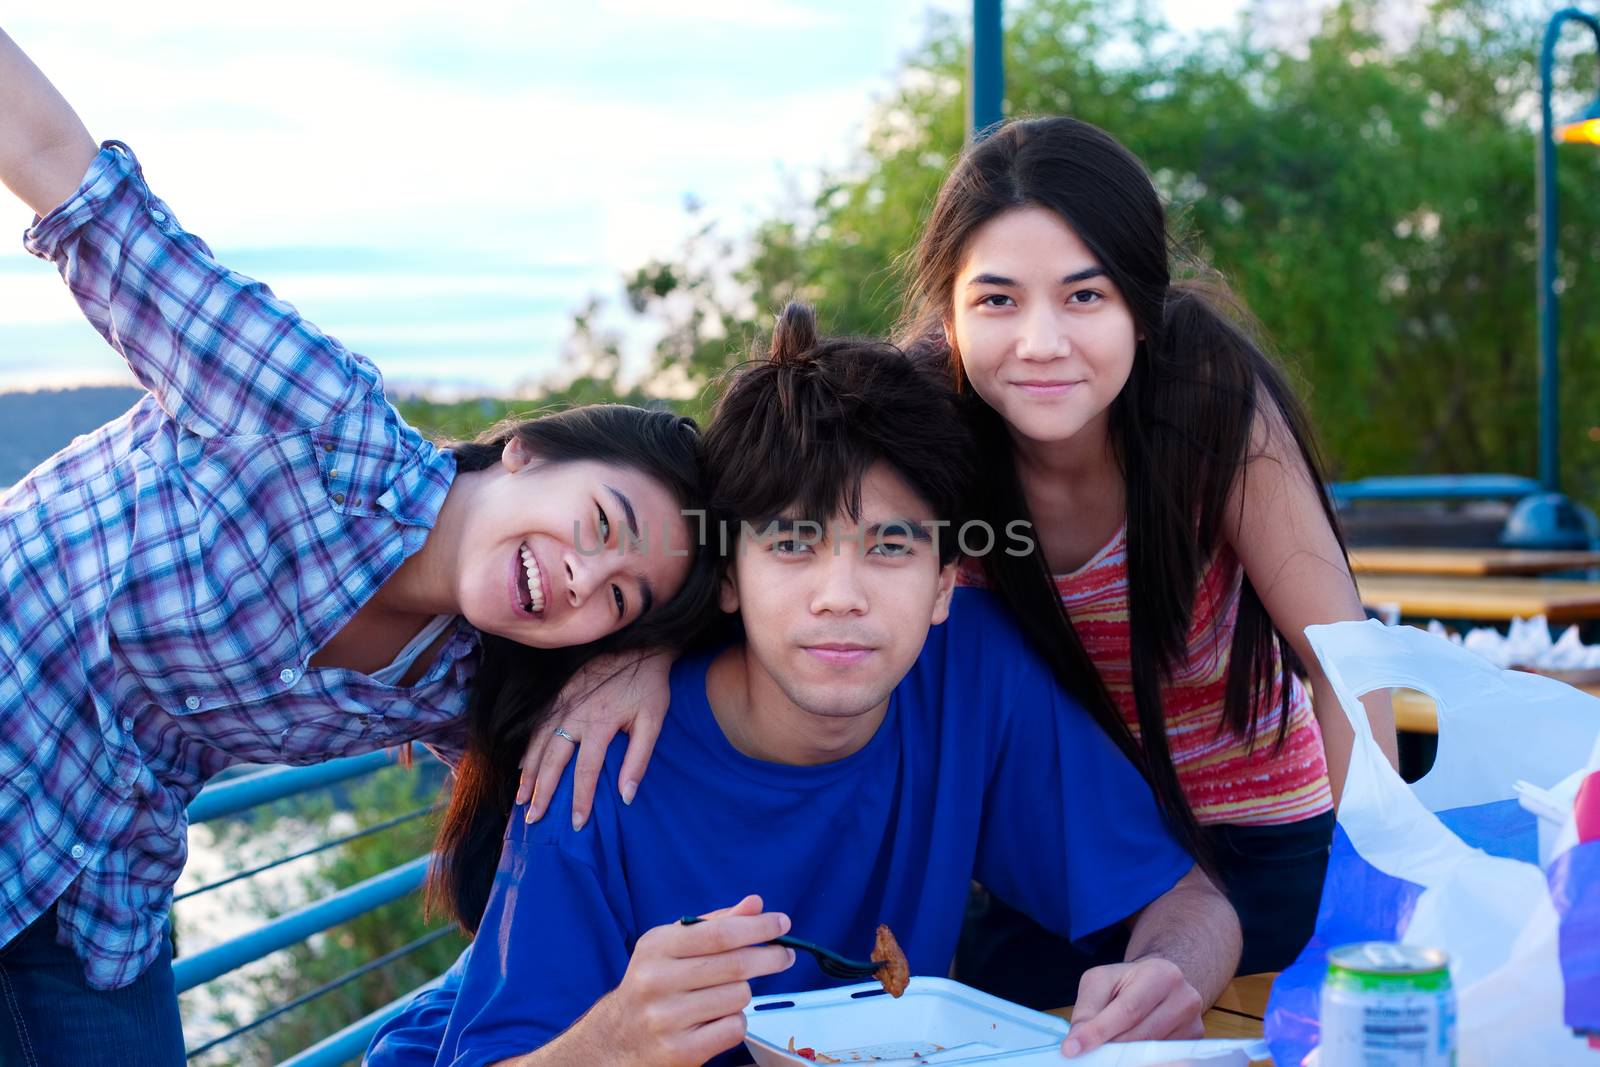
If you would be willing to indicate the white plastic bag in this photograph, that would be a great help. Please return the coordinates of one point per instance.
(1452, 861)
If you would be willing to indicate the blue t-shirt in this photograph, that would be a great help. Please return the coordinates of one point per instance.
(981, 769)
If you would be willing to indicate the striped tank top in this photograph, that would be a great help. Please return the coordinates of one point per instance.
(1226, 778)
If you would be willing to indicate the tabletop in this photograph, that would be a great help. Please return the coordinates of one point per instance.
(1238, 1013)
(1486, 599)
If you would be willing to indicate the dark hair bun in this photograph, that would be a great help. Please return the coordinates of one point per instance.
(794, 334)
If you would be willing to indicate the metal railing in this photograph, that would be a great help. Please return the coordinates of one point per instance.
(263, 787)
(351, 1042)
(1434, 487)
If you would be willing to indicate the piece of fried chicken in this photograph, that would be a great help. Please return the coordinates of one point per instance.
(895, 972)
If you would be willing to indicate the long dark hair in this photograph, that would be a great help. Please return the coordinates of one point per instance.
(515, 685)
(1181, 430)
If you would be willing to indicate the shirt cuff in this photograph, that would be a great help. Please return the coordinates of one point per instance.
(110, 169)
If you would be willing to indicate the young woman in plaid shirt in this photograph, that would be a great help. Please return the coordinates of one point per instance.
(261, 562)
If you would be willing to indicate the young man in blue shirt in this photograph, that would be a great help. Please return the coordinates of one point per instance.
(872, 741)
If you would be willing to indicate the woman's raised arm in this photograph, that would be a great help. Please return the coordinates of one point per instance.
(44, 147)
(220, 353)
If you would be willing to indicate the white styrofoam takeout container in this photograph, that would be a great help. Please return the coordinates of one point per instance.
(936, 1021)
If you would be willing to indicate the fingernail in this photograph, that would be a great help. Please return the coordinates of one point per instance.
(783, 921)
(628, 789)
(1070, 1047)
(530, 817)
(791, 957)
(577, 821)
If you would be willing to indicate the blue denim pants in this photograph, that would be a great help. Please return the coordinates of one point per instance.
(50, 1016)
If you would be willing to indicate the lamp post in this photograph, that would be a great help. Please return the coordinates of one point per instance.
(1586, 128)
(988, 72)
(1548, 519)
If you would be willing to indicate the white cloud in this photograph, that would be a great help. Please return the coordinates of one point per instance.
(402, 287)
(770, 13)
(497, 140)
(35, 298)
(510, 329)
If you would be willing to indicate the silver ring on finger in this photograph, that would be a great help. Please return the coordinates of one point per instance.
(561, 732)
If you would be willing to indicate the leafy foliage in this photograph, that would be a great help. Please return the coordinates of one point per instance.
(1371, 198)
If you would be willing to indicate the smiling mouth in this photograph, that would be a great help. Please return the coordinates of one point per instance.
(533, 583)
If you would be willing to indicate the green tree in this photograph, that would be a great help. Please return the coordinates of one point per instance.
(1371, 198)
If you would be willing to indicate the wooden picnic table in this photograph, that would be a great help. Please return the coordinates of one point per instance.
(1430, 596)
(1414, 712)
(1237, 1013)
(1468, 562)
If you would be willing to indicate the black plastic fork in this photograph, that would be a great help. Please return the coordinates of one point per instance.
(829, 962)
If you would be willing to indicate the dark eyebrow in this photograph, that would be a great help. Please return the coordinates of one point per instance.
(1071, 279)
(627, 511)
(917, 531)
(647, 596)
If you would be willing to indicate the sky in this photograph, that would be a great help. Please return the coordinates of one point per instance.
(441, 185)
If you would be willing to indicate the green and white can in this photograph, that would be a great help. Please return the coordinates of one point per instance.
(1388, 1005)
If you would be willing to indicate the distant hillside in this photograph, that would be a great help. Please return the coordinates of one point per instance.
(35, 425)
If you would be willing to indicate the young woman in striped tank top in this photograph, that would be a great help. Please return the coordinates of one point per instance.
(1183, 538)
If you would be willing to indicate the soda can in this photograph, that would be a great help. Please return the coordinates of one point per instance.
(1388, 1005)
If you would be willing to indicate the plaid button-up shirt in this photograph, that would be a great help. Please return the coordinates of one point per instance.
(167, 577)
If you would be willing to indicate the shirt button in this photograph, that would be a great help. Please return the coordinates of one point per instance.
(338, 498)
(192, 703)
(286, 676)
(127, 721)
(328, 447)
(333, 473)
(159, 216)
(77, 852)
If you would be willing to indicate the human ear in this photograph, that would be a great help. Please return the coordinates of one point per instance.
(515, 455)
(947, 590)
(728, 591)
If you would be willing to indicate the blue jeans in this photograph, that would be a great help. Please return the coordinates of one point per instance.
(49, 1015)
